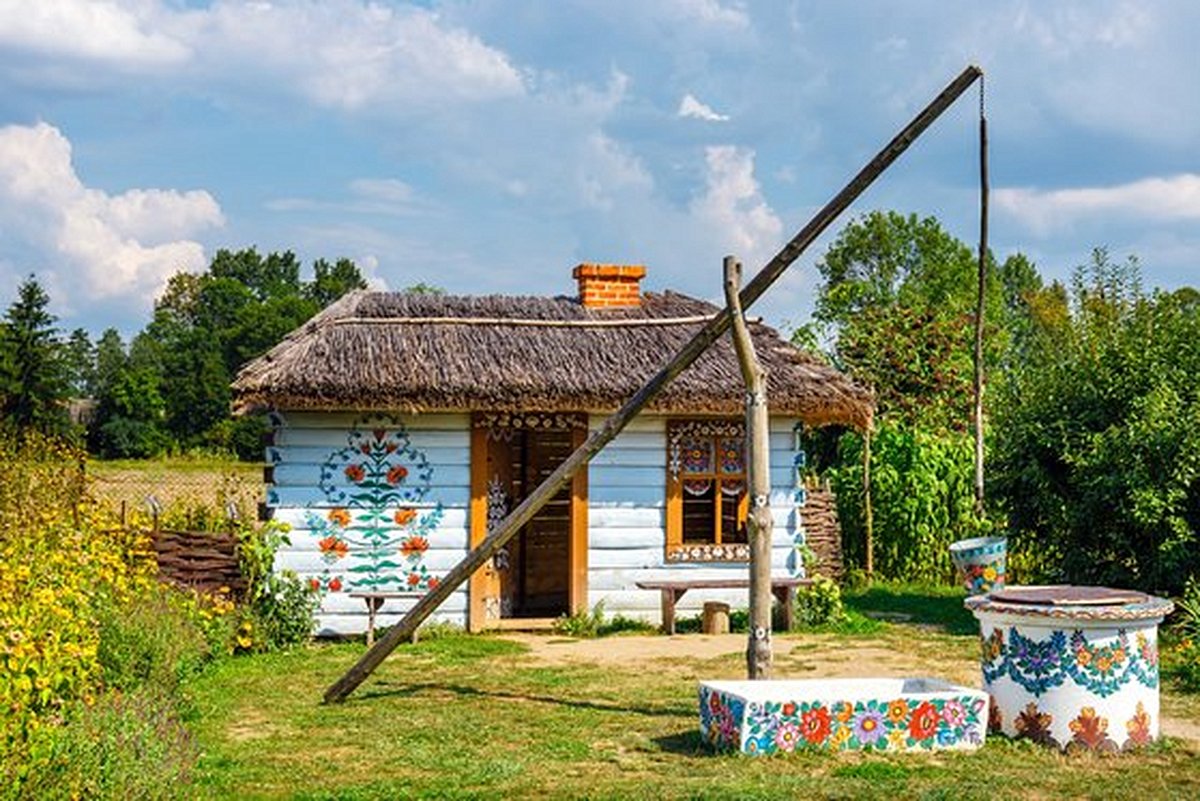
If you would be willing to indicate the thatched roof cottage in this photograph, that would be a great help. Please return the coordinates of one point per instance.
(407, 424)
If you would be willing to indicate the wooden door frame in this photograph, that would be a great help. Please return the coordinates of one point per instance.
(577, 544)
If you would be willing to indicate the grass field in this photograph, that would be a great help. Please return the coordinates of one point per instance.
(181, 485)
(490, 717)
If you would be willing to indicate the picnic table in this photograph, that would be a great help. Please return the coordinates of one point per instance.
(374, 601)
(784, 590)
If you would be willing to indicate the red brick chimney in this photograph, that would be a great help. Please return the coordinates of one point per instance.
(609, 285)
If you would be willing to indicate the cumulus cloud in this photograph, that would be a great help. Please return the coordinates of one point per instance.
(349, 54)
(93, 30)
(1172, 199)
(98, 245)
(339, 53)
(733, 204)
(689, 106)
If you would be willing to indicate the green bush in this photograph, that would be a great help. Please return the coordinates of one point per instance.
(922, 498)
(594, 624)
(819, 604)
(1097, 434)
(284, 610)
(150, 641)
(1185, 662)
(280, 607)
(125, 745)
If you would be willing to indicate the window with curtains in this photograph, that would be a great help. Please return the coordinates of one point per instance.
(706, 490)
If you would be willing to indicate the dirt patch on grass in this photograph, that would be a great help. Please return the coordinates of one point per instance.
(796, 657)
(805, 656)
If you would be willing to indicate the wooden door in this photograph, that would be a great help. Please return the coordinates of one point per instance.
(541, 572)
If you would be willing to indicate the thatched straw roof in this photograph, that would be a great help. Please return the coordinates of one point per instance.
(414, 353)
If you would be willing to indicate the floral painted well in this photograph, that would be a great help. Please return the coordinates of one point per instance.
(1074, 668)
(767, 717)
(980, 562)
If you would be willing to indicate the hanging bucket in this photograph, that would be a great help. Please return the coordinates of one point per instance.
(980, 563)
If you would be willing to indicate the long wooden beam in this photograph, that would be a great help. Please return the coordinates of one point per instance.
(716, 326)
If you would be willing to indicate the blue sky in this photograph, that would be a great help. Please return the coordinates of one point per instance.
(489, 146)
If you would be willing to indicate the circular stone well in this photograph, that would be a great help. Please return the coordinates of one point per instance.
(1071, 667)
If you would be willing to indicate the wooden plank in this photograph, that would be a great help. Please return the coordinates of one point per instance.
(577, 547)
(480, 580)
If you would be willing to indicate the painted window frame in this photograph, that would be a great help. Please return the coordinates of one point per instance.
(677, 548)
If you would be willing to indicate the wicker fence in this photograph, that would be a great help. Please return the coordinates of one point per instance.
(823, 532)
(205, 561)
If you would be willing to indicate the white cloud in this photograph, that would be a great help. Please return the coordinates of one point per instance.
(347, 54)
(344, 54)
(97, 245)
(712, 12)
(606, 169)
(689, 106)
(733, 204)
(1161, 200)
(94, 30)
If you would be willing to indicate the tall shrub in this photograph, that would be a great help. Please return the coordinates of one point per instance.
(1098, 434)
(921, 497)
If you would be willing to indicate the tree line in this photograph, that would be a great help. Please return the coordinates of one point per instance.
(1092, 409)
(168, 388)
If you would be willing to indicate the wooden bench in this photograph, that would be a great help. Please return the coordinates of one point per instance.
(784, 590)
(374, 601)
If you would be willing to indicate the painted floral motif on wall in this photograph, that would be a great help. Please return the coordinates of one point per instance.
(376, 535)
(1040, 665)
(1089, 730)
(902, 724)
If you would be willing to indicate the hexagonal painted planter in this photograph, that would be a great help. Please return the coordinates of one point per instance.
(767, 717)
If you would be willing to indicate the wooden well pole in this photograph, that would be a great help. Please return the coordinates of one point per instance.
(980, 304)
(758, 480)
(714, 328)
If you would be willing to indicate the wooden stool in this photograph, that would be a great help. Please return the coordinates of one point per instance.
(716, 618)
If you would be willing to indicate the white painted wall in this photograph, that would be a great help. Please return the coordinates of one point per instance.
(626, 516)
(304, 441)
(627, 488)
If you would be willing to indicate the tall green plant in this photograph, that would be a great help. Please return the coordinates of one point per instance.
(922, 500)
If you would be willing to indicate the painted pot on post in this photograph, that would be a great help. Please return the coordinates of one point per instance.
(980, 563)
(1073, 668)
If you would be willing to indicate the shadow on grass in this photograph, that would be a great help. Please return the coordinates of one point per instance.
(922, 605)
(685, 743)
(465, 691)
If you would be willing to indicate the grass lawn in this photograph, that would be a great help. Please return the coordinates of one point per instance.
(182, 482)
(491, 716)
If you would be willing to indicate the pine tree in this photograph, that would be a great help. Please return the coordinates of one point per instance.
(34, 379)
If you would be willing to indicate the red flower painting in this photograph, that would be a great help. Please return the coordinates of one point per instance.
(924, 722)
(334, 547)
(414, 546)
(355, 473)
(814, 725)
(397, 474)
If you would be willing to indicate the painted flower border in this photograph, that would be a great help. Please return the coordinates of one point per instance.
(1038, 666)
(902, 724)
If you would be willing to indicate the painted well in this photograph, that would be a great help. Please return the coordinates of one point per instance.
(1072, 676)
(900, 714)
